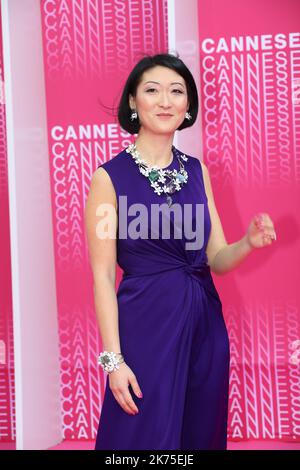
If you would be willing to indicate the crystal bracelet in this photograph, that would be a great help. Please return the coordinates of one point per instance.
(109, 360)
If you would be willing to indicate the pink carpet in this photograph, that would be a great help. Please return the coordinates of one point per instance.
(243, 445)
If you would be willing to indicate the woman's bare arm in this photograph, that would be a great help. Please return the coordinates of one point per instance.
(223, 257)
(101, 217)
(102, 253)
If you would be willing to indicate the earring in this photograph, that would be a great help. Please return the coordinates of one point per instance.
(133, 114)
(188, 116)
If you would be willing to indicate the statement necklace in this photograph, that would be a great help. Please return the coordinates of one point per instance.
(162, 181)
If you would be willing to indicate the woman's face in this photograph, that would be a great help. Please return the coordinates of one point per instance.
(161, 90)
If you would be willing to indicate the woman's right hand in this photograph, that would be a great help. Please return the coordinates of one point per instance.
(119, 381)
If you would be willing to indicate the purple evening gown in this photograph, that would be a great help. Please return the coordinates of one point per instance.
(172, 330)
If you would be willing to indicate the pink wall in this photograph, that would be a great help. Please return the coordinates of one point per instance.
(251, 145)
(89, 49)
(249, 134)
(7, 380)
(250, 131)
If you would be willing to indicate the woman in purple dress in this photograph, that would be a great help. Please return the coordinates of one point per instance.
(151, 209)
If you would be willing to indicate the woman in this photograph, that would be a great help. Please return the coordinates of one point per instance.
(165, 341)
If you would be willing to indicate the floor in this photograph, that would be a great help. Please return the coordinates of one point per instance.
(241, 445)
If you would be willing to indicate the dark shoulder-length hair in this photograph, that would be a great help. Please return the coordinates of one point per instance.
(167, 60)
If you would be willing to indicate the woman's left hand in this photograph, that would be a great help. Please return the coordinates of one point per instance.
(261, 231)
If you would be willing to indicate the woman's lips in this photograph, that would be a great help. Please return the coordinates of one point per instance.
(164, 116)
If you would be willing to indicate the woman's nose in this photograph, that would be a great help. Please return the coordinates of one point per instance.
(165, 100)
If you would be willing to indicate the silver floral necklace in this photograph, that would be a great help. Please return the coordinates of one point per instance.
(162, 181)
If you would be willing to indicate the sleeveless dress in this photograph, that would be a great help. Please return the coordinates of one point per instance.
(172, 330)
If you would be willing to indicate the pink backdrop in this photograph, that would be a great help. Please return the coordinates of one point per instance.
(89, 49)
(250, 124)
(250, 63)
(7, 379)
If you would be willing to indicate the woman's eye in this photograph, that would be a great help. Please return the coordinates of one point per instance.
(153, 89)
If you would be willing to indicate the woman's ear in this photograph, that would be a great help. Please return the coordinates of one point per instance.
(131, 102)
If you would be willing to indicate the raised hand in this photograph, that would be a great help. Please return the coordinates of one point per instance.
(261, 231)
